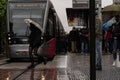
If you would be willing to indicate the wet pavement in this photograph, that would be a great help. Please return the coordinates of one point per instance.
(72, 66)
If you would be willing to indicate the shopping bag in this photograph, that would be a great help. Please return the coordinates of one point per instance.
(47, 49)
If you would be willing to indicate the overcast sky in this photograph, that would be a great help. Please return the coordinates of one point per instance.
(61, 5)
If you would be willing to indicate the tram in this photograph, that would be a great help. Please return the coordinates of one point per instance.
(42, 12)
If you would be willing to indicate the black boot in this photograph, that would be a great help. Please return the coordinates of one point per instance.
(98, 67)
(40, 59)
(31, 66)
(45, 60)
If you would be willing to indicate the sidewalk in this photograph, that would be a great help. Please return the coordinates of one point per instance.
(72, 66)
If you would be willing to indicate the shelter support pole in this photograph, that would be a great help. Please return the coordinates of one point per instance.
(92, 40)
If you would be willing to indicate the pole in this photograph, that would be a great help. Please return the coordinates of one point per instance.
(0, 46)
(92, 40)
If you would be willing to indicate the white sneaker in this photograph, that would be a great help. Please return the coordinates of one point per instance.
(113, 63)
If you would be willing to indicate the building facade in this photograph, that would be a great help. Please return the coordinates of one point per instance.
(78, 15)
(85, 3)
(116, 1)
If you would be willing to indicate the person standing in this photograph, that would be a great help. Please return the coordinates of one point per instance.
(34, 39)
(73, 37)
(116, 38)
(84, 40)
(98, 39)
(108, 38)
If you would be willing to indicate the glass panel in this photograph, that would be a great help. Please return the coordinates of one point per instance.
(21, 11)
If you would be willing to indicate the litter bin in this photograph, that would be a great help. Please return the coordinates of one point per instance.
(117, 62)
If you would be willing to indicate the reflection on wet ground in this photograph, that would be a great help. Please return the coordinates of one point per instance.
(72, 66)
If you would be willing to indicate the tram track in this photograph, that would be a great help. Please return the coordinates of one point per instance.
(27, 69)
(15, 78)
(5, 63)
(19, 75)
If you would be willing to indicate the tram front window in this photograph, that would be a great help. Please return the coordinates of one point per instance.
(20, 11)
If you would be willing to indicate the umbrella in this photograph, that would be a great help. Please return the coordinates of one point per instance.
(108, 24)
(111, 9)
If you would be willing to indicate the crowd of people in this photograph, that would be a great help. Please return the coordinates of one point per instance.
(77, 41)
(78, 38)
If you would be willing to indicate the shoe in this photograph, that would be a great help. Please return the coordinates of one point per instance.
(98, 68)
(82, 53)
(113, 63)
(40, 59)
(45, 60)
(36, 54)
(31, 66)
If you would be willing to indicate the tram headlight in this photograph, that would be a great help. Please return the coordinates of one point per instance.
(9, 38)
(10, 42)
(41, 37)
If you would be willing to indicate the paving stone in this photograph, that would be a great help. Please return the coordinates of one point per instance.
(74, 67)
